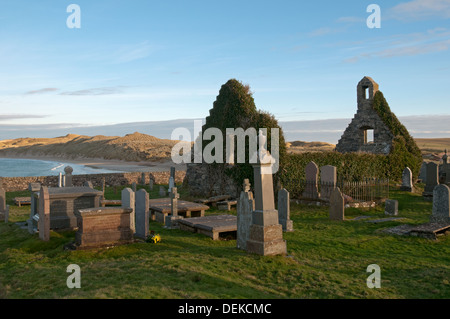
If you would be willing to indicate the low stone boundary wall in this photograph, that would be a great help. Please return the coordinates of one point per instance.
(11, 184)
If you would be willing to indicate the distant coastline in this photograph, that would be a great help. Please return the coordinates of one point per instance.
(113, 165)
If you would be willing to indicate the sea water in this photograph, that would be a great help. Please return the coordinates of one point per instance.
(15, 167)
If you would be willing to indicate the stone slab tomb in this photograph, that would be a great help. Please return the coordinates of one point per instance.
(65, 201)
(103, 226)
(216, 226)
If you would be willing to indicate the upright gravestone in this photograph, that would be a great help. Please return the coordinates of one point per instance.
(68, 176)
(311, 180)
(171, 221)
(128, 201)
(441, 205)
(143, 179)
(432, 179)
(7, 214)
(60, 180)
(423, 172)
(44, 214)
(337, 208)
(245, 207)
(2, 203)
(407, 183)
(150, 183)
(33, 188)
(162, 191)
(445, 169)
(133, 186)
(284, 210)
(328, 179)
(103, 185)
(172, 178)
(266, 234)
(88, 184)
(142, 214)
(391, 207)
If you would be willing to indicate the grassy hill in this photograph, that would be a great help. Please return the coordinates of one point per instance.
(132, 147)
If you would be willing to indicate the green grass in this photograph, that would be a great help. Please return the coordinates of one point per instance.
(326, 259)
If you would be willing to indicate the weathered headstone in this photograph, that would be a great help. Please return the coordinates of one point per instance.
(162, 191)
(68, 170)
(245, 207)
(423, 172)
(391, 207)
(7, 214)
(432, 178)
(284, 211)
(445, 169)
(171, 220)
(103, 185)
(337, 208)
(60, 180)
(133, 186)
(33, 187)
(128, 200)
(2, 203)
(151, 183)
(174, 201)
(142, 214)
(311, 179)
(441, 204)
(143, 179)
(44, 214)
(407, 183)
(328, 179)
(172, 178)
(68, 176)
(266, 234)
(88, 184)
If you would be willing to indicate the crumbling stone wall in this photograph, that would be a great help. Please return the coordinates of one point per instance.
(354, 138)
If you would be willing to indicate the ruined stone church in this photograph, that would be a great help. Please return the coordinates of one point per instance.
(367, 132)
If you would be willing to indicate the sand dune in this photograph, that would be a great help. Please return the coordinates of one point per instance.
(134, 147)
(144, 148)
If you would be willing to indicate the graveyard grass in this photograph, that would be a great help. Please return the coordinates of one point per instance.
(326, 259)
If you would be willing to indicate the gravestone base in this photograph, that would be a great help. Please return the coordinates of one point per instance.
(440, 220)
(287, 225)
(105, 238)
(171, 222)
(266, 240)
(406, 189)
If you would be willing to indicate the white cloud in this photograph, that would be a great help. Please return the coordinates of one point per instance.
(431, 41)
(420, 10)
(40, 91)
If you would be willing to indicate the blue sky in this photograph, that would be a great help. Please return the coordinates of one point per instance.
(137, 61)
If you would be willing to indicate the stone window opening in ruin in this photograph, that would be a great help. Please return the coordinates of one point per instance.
(366, 92)
(369, 137)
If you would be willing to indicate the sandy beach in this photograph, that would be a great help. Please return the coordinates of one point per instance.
(113, 165)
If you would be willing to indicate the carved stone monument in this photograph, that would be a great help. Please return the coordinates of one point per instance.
(266, 234)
